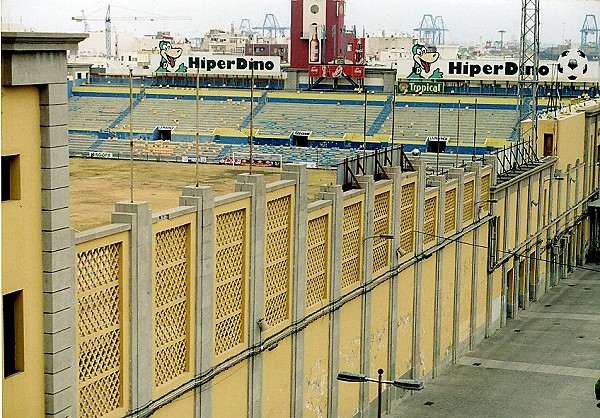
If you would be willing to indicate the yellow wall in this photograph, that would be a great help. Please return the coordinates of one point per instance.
(447, 324)
(230, 392)
(482, 276)
(379, 334)
(316, 368)
(427, 308)
(512, 215)
(565, 129)
(466, 278)
(406, 290)
(276, 390)
(21, 240)
(350, 319)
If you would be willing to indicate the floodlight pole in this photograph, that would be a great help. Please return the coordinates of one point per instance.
(394, 115)
(365, 131)
(379, 384)
(251, 111)
(197, 122)
(131, 134)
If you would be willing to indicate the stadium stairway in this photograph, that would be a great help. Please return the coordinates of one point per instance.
(261, 103)
(382, 117)
(125, 112)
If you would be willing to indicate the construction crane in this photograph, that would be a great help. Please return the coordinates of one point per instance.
(108, 23)
(271, 24)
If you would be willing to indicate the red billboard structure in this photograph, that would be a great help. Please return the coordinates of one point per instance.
(321, 44)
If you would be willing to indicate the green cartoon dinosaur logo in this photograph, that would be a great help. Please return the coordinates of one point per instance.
(422, 61)
(168, 55)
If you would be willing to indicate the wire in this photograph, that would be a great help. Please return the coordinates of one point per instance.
(510, 252)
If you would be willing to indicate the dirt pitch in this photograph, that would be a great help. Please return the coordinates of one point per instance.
(96, 185)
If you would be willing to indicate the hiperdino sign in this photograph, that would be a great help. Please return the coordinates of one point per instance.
(420, 87)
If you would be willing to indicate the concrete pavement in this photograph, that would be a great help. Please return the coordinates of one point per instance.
(544, 363)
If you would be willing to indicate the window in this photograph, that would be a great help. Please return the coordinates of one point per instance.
(13, 332)
(11, 178)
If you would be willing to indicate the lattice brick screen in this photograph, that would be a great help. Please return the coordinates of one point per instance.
(485, 192)
(277, 267)
(429, 226)
(99, 331)
(316, 261)
(381, 224)
(171, 304)
(230, 267)
(407, 218)
(468, 201)
(450, 211)
(351, 244)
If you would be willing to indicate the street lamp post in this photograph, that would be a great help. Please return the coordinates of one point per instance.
(405, 384)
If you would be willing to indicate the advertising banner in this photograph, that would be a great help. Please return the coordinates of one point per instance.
(336, 71)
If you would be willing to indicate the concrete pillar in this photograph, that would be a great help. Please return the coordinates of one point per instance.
(58, 253)
(419, 217)
(299, 174)
(459, 175)
(475, 167)
(394, 173)
(440, 183)
(202, 199)
(138, 215)
(367, 183)
(335, 194)
(255, 184)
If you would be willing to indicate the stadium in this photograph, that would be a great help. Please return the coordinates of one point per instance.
(225, 237)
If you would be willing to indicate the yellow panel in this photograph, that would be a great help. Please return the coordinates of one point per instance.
(317, 261)
(184, 406)
(466, 278)
(450, 211)
(427, 314)
(102, 279)
(406, 289)
(278, 257)
(231, 268)
(350, 319)
(469, 201)
(316, 368)
(512, 218)
(407, 217)
(448, 280)
(378, 349)
(21, 135)
(482, 275)
(230, 392)
(351, 243)
(173, 301)
(430, 222)
(381, 225)
(276, 390)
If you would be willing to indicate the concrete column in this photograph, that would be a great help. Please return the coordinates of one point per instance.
(459, 175)
(440, 183)
(202, 199)
(255, 184)
(58, 253)
(419, 217)
(335, 194)
(394, 174)
(367, 183)
(475, 167)
(138, 215)
(298, 173)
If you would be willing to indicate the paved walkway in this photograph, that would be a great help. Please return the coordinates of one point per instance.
(544, 363)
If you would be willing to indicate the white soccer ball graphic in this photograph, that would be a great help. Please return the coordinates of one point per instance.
(572, 64)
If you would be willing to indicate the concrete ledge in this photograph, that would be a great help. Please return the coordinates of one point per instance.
(231, 197)
(53, 219)
(172, 213)
(54, 94)
(100, 232)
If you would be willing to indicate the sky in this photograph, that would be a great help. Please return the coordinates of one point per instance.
(467, 21)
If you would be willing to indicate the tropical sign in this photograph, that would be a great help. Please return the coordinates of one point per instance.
(420, 87)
